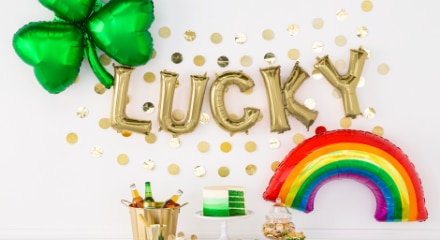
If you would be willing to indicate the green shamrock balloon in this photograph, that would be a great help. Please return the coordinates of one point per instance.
(56, 49)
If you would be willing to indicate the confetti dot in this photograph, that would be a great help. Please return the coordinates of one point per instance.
(250, 146)
(190, 35)
(126, 134)
(251, 169)
(225, 147)
(176, 58)
(122, 159)
(367, 6)
(310, 103)
(268, 35)
(246, 61)
(204, 118)
(173, 169)
(105, 59)
(293, 54)
(345, 122)
(274, 143)
(148, 107)
(203, 146)
(369, 113)
(340, 65)
(223, 171)
(318, 23)
(104, 123)
(270, 58)
(199, 171)
(378, 130)
(320, 129)
(318, 47)
(149, 77)
(164, 32)
(341, 15)
(99, 88)
(199, 60)
(96, 151)
(292, 29)
(72, 138)
(274, 165)
(149, 165)
(340, 41)
(361, 32)
(150, 138)
(216, 38)
(240, 38)
(298, 138)
(175, 142)
(316, 74)
(178, 115)
(383, 69)
(82, 112)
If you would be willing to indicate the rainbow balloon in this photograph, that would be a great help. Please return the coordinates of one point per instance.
(350, 154)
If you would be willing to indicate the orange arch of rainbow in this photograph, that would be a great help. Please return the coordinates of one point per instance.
(353, 154)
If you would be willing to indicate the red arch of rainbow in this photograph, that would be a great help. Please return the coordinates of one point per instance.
(353, 154)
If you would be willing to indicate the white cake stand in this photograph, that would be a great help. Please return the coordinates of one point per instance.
(224, 226)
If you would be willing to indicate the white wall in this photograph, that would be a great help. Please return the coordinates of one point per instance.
(50, 189)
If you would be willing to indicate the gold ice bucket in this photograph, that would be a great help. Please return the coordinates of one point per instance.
(164, 217)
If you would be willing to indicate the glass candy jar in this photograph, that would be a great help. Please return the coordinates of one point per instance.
(278, 223)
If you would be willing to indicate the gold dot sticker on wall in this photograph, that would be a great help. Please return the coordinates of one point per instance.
(175, 142)
(190, 35)
(150, 138)
(199, 171)
(317, 47)
(72, 138)
(104, 123)
(203, 146)
(222, 61)
(383, 69)
(240, 38)
(176, 58)
(378, 130)
(318, 23)
(341, 15)
(149, 165)
(268, 34)
(223, 171)
(250, 146)
(340, 65)
(149, 77)
(126, 134)
(164, 32)
(82, 112)
(216, 38)
(99, 88)
(97, 151)
(225, 147)
(251, 169)
(122, 159)
(298, 138)
(292, 29)
(340, 41)
(199, 60)
(345, 122)
(293, 54)
(274, 165)
(173, 169)
(367, 6)
(269, 58)
(361, 32)
(246, 61)
(369, 113)
(316, 74)
(105, 59)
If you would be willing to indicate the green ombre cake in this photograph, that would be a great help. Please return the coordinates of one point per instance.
(223, 201)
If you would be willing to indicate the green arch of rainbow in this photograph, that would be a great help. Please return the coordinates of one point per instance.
(352, 154)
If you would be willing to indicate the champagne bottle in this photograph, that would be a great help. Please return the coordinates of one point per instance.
(138, 201)
(172, 202)
(148, 200)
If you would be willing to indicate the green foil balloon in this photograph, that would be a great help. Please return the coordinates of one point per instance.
(80, 28)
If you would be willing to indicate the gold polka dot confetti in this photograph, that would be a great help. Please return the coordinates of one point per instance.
(251, 169)
(164, 32)
(336, 94)
(369, 113)
(99, 88)
(383, 69)
(122, 159)
(72, 138)
(340, 65)
(249, 91)
(148, 107)
(194, 237)
(126, 134)
(150, 138)
(260, 117)
(181, 235)
(341, 15)
(76, 80)
(246, 61)
(176, 58)
(96, 151)
(203, 146)
(378, 130)
(175, 142)
(149, 77)
(222, 61)
(105, 59)
(173, 169)
(153, 55)
(199, 171)
(225, 147)
(223, 171)
(318, 23)
(361, 82)
(310, 103)
(274, 165)
(178, 115)
(149, 165)
(82, 112)
(104, 123)
(298, 138)
(216, 38)
(250, 146)
(292, 29)
(318, 47)
(345, 122)
(293, 54)
(199, 60)
(340, 41)
(274, 143)
(367, 6)
(268, 34)
(269, 58)
(190, 35)
(361, 32)
(316, 74)
(240, 38)
(204, 118)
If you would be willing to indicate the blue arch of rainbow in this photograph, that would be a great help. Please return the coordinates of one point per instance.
(351, 154)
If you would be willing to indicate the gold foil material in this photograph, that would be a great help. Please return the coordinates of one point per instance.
(150, 138)
(105, 59)
(378, 130)
(251, 169)
(176, 58)
(250, 146)
(82, 112)
(199, 60)
(222, 61)
(104, 123)
(149, 165)
(164, 32)
(345, 122)
(204, 118)
(99, 88)
(318, 47)
(383, 69)
(190, 35)
(362, 32)
(246, 61)
(293, 54)
(72, 138)
(367, 6)
(96, 151)
(173, 169)
(149, 77)
(216, 38)
(122, 159)
(341, 15)
(298, 138)
(148, 107)
(310, 103)
(274, 143)
(223, 171)
(318, 23)
(270, 58)
(199, 171)
(175, 142)
(268, 34)
(340, 41)
(369, 113)
(274, 165)
(225, 147)
(203, 146)
(292, 29)
(316, 74)
(240, 38)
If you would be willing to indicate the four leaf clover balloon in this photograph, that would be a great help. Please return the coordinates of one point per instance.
(57, 48)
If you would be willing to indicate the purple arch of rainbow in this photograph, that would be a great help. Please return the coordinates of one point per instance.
(350, 154)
